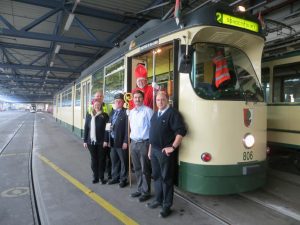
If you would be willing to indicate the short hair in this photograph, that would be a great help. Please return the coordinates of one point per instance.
(164, 93)
(138, 92)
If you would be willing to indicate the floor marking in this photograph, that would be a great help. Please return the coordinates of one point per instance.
(13, 154)
(100, 201)
(15, 192)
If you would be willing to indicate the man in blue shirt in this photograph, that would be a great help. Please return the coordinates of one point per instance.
(139, 119)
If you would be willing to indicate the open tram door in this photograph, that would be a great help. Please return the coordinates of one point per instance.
(161, 62)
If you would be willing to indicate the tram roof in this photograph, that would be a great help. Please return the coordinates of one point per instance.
(155, 29)
(32, 67)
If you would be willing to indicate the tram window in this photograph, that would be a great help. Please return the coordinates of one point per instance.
(77, 94)
(97, 81)
(223, 73)
(265, 77)
(287, 89)
(114, 80)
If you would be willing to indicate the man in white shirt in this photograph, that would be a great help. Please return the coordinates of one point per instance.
(139, 119)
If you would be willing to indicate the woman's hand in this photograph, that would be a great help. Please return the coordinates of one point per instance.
(85, 145)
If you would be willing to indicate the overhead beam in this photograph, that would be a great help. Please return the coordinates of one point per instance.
(87, 11)
(33, 67)
(56, 38)
(39, 80)
(43, 49)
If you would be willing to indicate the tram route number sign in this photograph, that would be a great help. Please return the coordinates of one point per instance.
(237, 22)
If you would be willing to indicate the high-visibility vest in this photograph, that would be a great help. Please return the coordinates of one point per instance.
(105, 108)
(222, 71)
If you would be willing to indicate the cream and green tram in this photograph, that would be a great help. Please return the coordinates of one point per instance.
(224, 150)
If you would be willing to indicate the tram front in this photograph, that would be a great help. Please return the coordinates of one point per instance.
(223, 105)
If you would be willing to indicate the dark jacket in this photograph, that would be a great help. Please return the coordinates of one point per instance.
(120, 129)
(163, 129)
(100, 122)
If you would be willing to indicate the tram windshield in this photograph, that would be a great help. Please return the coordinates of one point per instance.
(224, 73)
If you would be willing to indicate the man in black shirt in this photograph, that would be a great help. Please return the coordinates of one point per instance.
(166, 132)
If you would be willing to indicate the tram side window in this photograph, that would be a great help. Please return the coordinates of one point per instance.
(113, 80)
(97, 81)
(265, 77)
(287, 89)
(77, 94)
(223, 73)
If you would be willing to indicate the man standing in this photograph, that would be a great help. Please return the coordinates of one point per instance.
(117, 138)
(98, 97)
(166, 132)
(139, 119)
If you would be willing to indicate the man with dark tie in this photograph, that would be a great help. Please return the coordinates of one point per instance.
(116, 138)
(166, 132)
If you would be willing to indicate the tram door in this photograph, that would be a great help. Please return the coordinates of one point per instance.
(159, 63)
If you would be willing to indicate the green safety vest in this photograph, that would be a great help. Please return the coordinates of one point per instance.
(107, 108)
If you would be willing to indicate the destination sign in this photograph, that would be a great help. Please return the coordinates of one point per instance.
(149, 45)
(237, 22)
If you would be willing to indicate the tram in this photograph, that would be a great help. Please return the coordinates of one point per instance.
(281, 83)
(224, 151)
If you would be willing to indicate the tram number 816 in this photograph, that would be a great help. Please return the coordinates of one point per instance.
(248, 155)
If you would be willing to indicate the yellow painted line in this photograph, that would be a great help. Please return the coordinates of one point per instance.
(100, 201)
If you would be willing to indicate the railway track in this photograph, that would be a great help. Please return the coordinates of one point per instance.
(24, 124)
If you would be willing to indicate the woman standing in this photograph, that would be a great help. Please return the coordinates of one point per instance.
(94, 132)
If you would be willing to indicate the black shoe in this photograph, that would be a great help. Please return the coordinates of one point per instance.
(103, 181)
(109, 177)
(144, 198)
(113, 181)
(95, 181)
(123, 184)
(153, 205)
(135, 194)
(165, 212)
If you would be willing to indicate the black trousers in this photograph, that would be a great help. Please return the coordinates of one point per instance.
(162, 173)
(98, 157)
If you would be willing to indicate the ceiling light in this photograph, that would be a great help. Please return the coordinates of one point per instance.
(240, 8)
(51, 64)
(69, 21)
(57, 48)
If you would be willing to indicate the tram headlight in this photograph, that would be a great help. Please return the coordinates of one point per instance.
(249, 140)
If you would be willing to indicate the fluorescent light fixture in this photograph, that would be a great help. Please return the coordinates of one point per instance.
(69, 21)
(57, 48)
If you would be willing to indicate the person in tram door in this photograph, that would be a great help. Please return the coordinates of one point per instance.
(99, 97)
(139, 119)
(117, 138)
(94, 134)
(222, 71)
(140, 74)
(167, 129)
